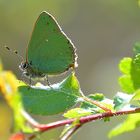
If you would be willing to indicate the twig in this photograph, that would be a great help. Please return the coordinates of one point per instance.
(82, 120)
(98, 104)
(71, 132)
(29, 118)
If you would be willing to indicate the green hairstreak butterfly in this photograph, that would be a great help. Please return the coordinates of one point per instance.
(50, 51)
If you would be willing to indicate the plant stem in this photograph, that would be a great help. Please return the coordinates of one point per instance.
(71, 132)
(98, 104)
(82, 120)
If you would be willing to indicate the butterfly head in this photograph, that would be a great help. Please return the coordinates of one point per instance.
(29, 72)
(23, 66)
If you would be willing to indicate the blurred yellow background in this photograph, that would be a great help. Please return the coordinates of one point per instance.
(103, 32)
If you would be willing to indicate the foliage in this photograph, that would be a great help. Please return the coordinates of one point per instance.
(44, 100)
(61, 97)
(67, 98)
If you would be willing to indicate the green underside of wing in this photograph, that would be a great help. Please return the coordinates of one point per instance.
(49, 50)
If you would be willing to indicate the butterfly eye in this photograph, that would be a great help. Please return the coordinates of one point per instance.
(24, 65)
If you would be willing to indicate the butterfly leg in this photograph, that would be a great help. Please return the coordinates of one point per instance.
(47, 81)
(30, 83)
(30, 80)
(22, 78)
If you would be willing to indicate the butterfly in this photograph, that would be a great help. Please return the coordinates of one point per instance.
(50, 51)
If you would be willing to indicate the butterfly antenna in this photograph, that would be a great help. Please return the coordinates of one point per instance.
(15, 52)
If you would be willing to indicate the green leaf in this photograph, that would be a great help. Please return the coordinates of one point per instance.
(121, 100)
(135, 72)
(58, 98)
(126, 84)
(130, 81)
(132, 122)
(70, 85)
(136, 96)
(97, 96)
(136, 48)
(125, 65)
(77, 112)
(136, 62)
(125, 80)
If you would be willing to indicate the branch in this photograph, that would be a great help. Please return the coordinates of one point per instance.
(71, 132)
(98, 104)
(82, 120)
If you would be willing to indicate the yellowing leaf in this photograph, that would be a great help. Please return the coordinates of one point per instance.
(8, 85)
(1, 66)
(9, 88)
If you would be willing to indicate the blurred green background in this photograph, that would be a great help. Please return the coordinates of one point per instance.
(103, 32)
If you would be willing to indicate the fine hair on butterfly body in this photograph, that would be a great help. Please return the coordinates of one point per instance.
(50, 51)
(28, 72)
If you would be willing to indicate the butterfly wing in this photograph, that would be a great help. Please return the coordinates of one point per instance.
(50, 51)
